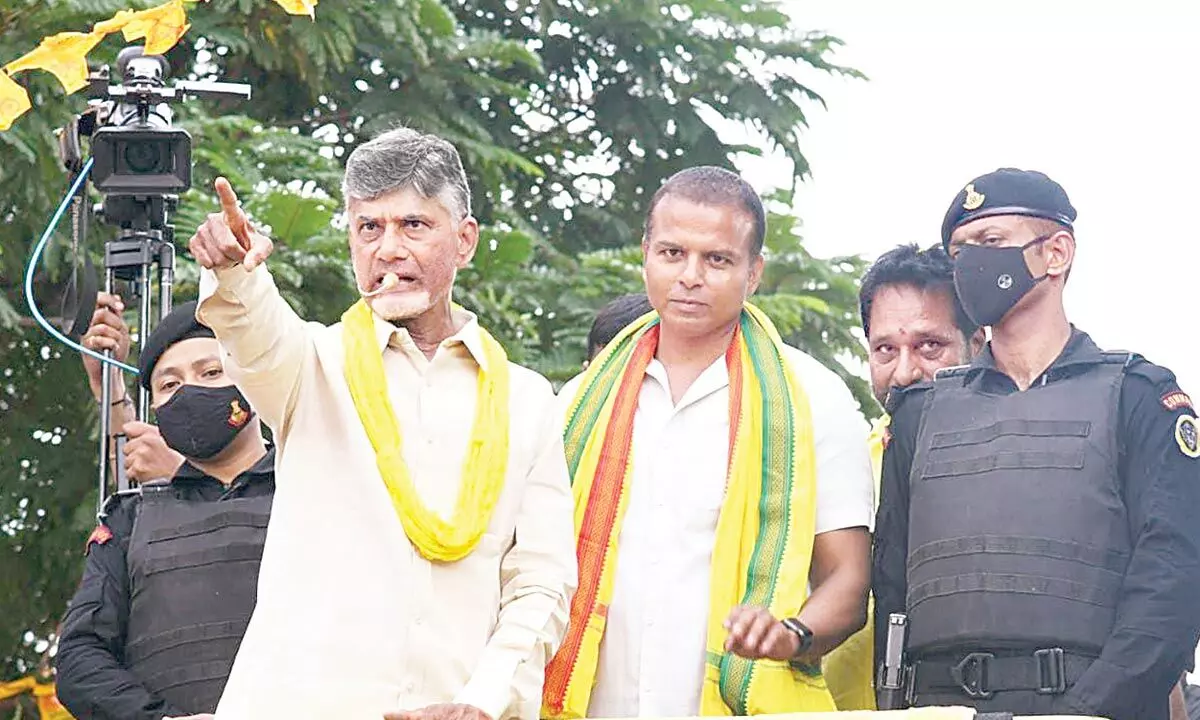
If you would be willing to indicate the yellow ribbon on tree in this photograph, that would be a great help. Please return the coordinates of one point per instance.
(65, 54)
(14, 101)
(298, 7)
(486, 461)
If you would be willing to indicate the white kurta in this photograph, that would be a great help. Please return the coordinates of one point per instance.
(351, 621)
(653, 652)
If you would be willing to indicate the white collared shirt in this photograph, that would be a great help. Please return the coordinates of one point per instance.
(653, 652)
(351, 621)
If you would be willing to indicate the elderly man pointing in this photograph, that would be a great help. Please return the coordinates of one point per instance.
(420, 558)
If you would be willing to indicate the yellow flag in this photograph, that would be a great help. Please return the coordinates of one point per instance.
(299, 7)
(114, 23)
(64, 54)
(49, 708)
(14, 101)
(16, 687)
(162, 26)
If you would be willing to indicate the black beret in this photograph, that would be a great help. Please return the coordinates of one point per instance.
(1008, 191)
(180, 324)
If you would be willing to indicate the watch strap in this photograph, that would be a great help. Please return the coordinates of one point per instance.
(802, 631)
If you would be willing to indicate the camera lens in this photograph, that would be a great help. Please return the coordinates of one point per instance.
(144, 157)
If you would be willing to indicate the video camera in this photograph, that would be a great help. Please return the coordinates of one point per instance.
(139, 151)
(139, 163)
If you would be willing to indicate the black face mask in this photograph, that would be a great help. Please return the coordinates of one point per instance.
(199, 422)
(991, 280)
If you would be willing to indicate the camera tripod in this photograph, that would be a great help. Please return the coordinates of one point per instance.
(133, 257)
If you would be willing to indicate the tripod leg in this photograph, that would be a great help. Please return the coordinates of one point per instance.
(105, 412)
(143, 408)
(166, 278)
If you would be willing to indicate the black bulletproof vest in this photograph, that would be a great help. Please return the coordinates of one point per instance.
(1018, 537)
(193, 578)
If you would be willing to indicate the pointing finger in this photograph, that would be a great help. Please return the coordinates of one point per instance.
(234, 217)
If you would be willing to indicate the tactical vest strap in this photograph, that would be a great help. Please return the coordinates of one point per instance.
(146, 648)
(1045, 460)
(979, 675)
(202, 680)
(1097, 594)
(215, 671)
(952, 376)
(1120, 357)
(232, 552)
(217, 521)
(1027, 428)
(1112, 560)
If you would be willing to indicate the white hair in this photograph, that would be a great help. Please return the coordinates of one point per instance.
(404, 158)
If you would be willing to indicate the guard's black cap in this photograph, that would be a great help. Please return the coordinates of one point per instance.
(180, 324)
(1008, 191)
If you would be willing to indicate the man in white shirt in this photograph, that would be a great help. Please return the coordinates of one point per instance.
(675, 601)
(419, 561)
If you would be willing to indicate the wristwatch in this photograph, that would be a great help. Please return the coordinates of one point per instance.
(802, 631)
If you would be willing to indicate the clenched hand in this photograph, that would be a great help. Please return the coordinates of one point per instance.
(147, 456)
(755, 634)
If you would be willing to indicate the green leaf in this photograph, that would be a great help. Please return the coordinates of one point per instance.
(293, 219)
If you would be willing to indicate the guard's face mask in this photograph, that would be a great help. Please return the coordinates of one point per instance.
(991, 280)
(199, 422)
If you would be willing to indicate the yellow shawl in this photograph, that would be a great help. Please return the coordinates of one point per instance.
(487, 454)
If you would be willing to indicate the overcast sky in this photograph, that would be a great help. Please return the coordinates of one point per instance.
(1101, 99)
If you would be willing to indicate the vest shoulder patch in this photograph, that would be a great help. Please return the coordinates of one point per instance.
(1187, 435)
(99, 536)
(1176, 399)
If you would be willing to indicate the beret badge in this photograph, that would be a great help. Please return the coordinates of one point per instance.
(973, 199)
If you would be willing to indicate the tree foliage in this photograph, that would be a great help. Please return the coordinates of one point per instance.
(568, 115)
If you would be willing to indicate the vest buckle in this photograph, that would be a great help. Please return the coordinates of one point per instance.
(1052, 675)
(971, 674)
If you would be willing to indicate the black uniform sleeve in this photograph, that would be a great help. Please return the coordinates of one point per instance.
(91, 680)
(890, 552)
(1158, 615)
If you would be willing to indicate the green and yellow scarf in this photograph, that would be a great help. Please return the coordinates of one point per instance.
(487, 453)
(764, 535)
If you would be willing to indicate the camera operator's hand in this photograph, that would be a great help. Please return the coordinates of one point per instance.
(147, 456)
(227, 238)
(108, 331)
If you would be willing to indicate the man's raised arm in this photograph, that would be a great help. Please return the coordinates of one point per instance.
(265, 342)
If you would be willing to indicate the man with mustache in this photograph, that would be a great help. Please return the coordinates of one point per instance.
(1037, 516)
(914, 327)
(722, 485)
(420, 557)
